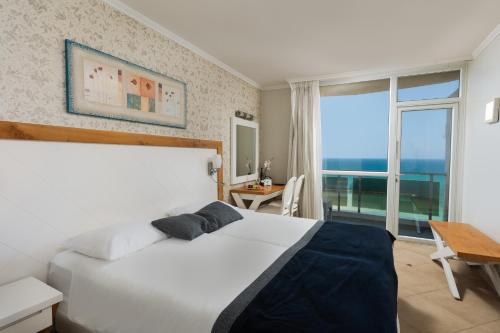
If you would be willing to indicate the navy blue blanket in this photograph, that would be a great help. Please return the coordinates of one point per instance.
(342, 279)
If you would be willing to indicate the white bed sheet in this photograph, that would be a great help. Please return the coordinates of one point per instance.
(173, 285)
(269, 228)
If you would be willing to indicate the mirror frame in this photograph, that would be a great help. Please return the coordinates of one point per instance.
(235, 122)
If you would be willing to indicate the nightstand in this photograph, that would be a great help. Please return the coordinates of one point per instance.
(26, 306)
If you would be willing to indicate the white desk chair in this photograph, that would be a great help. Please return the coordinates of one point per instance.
(283, 206)
(296, 195)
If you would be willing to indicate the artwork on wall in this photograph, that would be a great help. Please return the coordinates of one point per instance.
(101, 85)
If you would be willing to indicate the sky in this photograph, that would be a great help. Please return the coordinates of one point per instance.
(356, 126)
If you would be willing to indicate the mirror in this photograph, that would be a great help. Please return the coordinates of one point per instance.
(244, 150)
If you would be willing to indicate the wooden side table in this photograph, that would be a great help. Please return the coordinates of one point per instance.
(257, 196)
(26, 306)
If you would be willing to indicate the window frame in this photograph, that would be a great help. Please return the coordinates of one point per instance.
(456, 183)
(426, 101)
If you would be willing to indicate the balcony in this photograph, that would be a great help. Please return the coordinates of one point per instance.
(363, 200)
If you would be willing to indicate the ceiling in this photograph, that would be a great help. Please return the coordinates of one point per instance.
(270, 41)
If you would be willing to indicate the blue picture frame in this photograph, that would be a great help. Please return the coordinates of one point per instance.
(154, 107)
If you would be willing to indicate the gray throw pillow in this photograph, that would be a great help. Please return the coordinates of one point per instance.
(184, 226)
(218, 215)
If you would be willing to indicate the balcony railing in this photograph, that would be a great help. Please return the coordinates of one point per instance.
(422, 197)
(434, 190)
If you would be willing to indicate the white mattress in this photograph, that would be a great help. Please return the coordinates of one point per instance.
(173, 285)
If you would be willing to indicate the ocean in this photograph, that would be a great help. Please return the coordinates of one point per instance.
(380, 164)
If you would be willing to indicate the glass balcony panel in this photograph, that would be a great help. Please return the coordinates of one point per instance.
(355, 199)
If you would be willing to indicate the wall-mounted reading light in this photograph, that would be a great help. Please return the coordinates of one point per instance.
(214, 163)
(243, 115)
(491, 114)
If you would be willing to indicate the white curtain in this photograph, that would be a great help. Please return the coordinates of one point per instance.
(304, 156)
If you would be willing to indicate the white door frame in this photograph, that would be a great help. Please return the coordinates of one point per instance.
(453, 208)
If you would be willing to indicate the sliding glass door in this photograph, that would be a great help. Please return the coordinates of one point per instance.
(423, 167)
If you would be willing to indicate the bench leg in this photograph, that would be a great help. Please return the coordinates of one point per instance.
(442, 254)
(445, 252)
(492, 272)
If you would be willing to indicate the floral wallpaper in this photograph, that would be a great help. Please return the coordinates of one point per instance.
(32, 69)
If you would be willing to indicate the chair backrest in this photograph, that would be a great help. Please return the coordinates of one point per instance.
(288, 196)
(296, 191)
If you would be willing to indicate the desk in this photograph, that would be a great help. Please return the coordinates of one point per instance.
(257, 196)
(464, 242)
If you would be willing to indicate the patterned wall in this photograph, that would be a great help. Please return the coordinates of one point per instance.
(32, 87)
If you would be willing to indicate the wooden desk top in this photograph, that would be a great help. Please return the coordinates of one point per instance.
(467, 242)
(262, 190)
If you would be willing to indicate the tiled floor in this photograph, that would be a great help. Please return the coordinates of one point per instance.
(426, 305)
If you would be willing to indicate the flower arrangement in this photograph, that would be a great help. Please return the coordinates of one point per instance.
(267, 167)
(264, 173)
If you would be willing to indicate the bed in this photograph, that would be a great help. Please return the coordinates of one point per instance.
(264, 273)
(264, 270)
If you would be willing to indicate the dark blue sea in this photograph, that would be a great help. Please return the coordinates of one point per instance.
(374, 164)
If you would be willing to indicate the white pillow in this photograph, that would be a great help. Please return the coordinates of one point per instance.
(192, 207)
(115, 241)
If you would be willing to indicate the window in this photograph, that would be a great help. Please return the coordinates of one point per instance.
(429, 86)
(356, 178)
(354, 126)
(355, 129)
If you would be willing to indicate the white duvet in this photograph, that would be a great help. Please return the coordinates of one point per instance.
(174, 285)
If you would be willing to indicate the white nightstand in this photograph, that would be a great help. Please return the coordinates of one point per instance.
(26, 306)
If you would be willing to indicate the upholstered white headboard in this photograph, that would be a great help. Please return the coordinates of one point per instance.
(57, 182)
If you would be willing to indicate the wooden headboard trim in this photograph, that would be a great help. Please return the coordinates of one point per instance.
(35, 132)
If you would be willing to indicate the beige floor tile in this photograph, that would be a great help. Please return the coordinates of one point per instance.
(474, 308)
(425, 303)
(493, 327)
(414, 280)
(406, 327)
(476, 329)
(424, 249)
(430, 317)
(406, 256)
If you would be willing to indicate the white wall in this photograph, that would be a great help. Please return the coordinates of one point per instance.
(481, 190)
(274, 127)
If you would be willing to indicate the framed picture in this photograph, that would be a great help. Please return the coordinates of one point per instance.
(101, 85)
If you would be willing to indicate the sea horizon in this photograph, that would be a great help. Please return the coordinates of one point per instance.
(380, 165)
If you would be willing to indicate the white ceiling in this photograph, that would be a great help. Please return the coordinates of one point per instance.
(270, 41)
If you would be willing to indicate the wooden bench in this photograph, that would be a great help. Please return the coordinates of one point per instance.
(462, 241)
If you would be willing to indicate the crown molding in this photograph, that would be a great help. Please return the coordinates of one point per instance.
(486, 42)
(129, 11)
(277, 86)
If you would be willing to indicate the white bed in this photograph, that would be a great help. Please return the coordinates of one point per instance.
(70, 181)
(172, 285)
